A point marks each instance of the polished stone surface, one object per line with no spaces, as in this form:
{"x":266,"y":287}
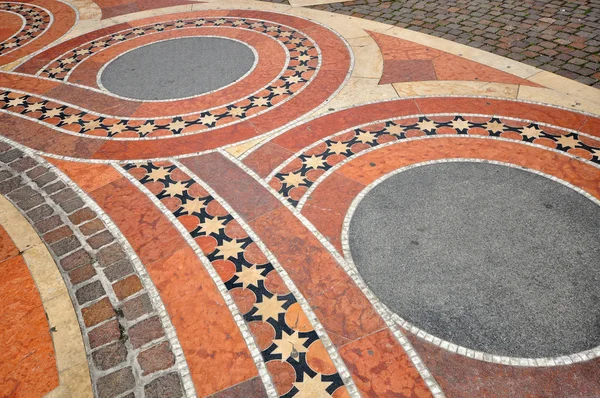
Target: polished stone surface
{"x":489,"y":257}
{"x":177,"y":68}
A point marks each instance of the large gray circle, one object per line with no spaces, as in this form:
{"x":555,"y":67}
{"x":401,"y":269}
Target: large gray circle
{"x":489,"y":257}
{"x":177,"y":68}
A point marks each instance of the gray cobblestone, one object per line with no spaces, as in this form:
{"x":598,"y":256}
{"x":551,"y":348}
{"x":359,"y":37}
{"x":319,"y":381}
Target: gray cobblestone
{"x":571,"y":29}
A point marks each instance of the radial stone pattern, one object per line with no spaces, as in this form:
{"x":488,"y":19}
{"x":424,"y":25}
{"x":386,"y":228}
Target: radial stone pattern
{"x":484,"y":256}
{"x":275,"y":202}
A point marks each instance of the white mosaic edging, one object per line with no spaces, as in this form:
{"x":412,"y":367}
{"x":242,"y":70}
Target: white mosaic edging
{"x":235,"y":313}
{"x":427,"y":115}
{"x":446,"y":345}
{"x":50,"y":23}
{"x":158,"y":306}
{"x":337,"y":166}
{"x":252,"y":68}
{"x":410,"y":351}
{"x":447,"y":96}
{"x":23,"y":22}
{"x":318,"y":327}
{"x":26,"y":58}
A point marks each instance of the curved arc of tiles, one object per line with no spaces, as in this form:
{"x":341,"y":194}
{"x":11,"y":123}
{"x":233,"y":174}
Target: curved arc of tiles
{"x":430,"y":131}
{"x":318,"y":327}
{"x":232,"y":307}
{"x":27,"y":56}
{"x":144,"y":278}
{"x":204,"y":118}
{"x":281,"y":132}
{"x":444,"y":344}
{"x":301,"y":364}
{"x":91,"y":43}
{"x":23,"y":23}
{"x":413,"y":355}
{"x":43,"y":270}
{"x":26,"y":21}
{"x":156,"y":301}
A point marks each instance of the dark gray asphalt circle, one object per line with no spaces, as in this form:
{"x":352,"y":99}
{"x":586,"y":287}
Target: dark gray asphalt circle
{"x":177,"y":68}
{"x":486,"y":256}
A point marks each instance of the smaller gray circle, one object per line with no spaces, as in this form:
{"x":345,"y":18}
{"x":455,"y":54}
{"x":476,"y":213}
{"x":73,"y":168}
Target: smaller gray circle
{"x":488,"y":257}
{"x":177,"y":68}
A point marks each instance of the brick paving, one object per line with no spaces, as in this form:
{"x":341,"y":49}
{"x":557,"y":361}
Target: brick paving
{"x":125,"y":338}
{"x":559,"y":36}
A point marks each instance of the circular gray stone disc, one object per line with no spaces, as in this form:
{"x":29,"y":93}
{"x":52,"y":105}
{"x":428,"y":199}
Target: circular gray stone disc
{"x":489,"y":257}
{"x":177,"y":68}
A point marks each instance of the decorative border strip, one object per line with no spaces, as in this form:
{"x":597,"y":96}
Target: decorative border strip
{"x":33,"y":16}
{"x":454,"y":348}
{"x":395,"y":130}
{"x":124,"y":325}
{"x":300,"y":299}
{"x":402,"y":340}
{"x":237,"y":316}
{"x":299,"y":122}
{"x":85,"y":121}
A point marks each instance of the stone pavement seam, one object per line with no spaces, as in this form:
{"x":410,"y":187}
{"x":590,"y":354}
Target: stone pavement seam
{"x":102,"y":296}
{"x":410,"y":351}
{"x":331,"y":349}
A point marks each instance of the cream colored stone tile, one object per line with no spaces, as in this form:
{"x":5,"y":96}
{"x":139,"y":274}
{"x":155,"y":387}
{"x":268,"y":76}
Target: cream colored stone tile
{"x":358,"y":91}
{"x":77,"y":380}
{"x":44,"y":271}
{"x":567,"y":86}
{"x":553,"y":97}
{"x":411,"y":89}
{"x":17,"y":227}
{"x":237,"y":150}
{"x":368,"y":61}
{"x":305,"y":3}
{"x":346,"y":26}
{"x":68,"y":343}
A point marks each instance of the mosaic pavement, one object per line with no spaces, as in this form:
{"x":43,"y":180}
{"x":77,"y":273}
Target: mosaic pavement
{"x":249,"y":199}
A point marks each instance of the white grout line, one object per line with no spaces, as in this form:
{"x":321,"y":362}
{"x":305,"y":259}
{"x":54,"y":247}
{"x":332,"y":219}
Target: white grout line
{"x":446,"y":345}
{"x":318,"y":327}
{"x":337,"y":166}
{"x":149,"y":287}
{"x":237,"y":316}
{"x":415,"y":97}
{"x":20,"y":30}
{"x":410,"y":351}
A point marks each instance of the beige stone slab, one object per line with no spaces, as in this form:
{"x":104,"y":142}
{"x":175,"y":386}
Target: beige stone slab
{"x":44,"y":272}
{"x":238,"y":150}
{"x":368,"y":61}
{"x":567,"y":86}
{"x":74,"y":382}
{"x":438,"y":87}
{"x":346,"y":26}
{"x":358,"y":91}
{"x":19,"y":230}
{"x":305,"y":3}
{"x":554,"y":97}
{"x":68,"y":343}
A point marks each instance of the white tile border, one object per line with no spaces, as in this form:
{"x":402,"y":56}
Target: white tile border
{"x":318,"y":327}
{"x":410,"y":351}
{"x":235,"y":313}
{"x":446,"y":345}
